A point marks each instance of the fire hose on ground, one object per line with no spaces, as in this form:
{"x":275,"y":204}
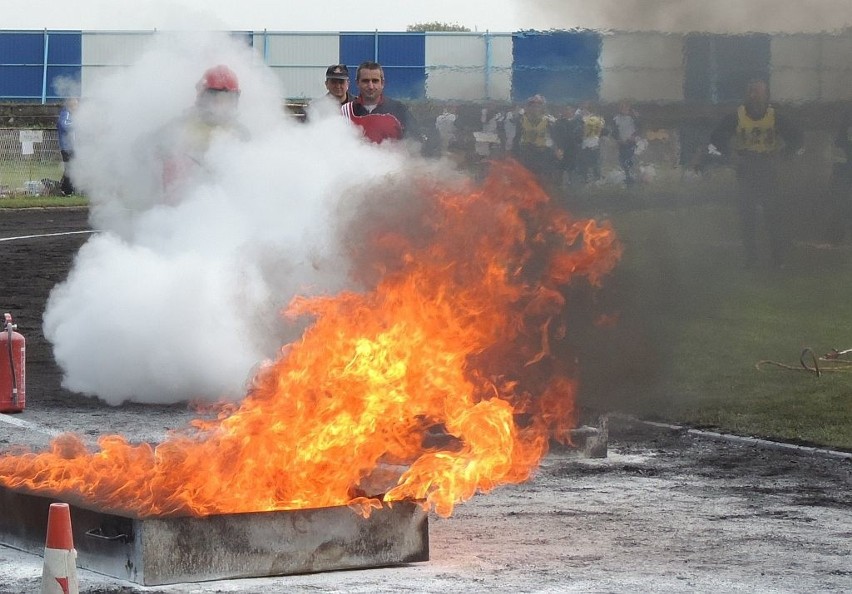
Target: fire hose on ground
{"x":833,"y":361}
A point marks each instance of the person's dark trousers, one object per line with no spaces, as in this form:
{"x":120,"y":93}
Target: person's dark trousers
{"x":65,"y":185}
{"x":626,"y":157}
{"x":839,"y":210}
{"x":759,"y":188}
{"x":590,"y":164}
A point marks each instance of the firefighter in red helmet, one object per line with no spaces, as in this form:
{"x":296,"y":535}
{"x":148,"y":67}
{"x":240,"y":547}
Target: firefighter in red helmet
{"x":218,"y":95}
{"x":185,"y":142}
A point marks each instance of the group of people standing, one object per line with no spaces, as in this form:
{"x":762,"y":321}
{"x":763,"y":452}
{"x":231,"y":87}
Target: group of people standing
{"x":561,"y":150}
{"x":569,"y":147}
{"x":181,"y":144}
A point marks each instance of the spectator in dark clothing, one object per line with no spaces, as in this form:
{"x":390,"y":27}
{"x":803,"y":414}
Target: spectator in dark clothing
{"x":840,"y":199}
{"x":568,"y":138}
{"x":756,"y":138}
{"x":65,"y":129}
{"x":626,"y":132}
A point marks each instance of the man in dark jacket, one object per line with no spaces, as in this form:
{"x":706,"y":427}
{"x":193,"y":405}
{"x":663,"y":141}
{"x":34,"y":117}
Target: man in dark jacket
{"x":381,"y":118}
{"x":757,"y":137}
{"x":840,"y":194}
{"x":567,"y":138}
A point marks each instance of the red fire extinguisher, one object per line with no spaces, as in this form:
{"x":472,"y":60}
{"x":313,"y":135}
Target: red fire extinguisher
{"x":13,"y":393}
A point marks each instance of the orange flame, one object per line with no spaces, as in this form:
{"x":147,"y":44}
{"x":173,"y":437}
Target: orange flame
{"x":443,"y":369}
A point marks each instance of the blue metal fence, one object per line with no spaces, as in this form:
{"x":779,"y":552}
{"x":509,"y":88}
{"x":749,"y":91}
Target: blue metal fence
{"x":562,"y":65}
{"x":32,"y":63}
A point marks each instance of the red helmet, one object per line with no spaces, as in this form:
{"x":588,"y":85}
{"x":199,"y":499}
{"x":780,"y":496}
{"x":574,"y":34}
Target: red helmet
{"x":219,"y":78}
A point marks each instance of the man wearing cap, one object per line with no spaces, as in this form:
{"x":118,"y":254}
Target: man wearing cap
{"x":337,"y":83}
{"x":381,"y":118}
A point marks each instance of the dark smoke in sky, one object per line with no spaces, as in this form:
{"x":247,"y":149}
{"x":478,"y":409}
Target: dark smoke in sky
{"x":679,"y":16}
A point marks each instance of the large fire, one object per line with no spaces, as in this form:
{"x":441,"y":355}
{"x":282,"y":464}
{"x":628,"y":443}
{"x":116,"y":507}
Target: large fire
{"x":442,"y":367}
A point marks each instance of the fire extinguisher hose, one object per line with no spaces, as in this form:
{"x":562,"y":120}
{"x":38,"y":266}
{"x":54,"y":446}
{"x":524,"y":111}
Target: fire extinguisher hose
{"x":12,"y":367}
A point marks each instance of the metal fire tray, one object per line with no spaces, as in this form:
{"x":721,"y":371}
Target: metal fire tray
{"x":168,"y":550}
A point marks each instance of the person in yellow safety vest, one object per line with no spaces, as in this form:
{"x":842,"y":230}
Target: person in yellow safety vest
{"x":533,"y":145}
{"x":756,"y":137}
{"x":594,"y":127}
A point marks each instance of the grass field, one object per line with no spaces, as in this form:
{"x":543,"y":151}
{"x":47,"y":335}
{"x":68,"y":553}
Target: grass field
{"x":696,"y":326}
{"x":22,"y":201}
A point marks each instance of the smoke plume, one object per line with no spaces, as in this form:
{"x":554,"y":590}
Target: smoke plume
{"x":681,"y":16}
{"x":178,"y":296}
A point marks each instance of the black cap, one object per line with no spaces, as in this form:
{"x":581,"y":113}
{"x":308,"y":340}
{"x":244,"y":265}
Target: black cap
{"x":339,"y":71}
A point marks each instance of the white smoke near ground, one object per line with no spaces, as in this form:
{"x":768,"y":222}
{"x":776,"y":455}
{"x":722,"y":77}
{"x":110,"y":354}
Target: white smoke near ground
{"x":66,"y":87}
{"x":179,"y":297}
{"x":683,"y":16}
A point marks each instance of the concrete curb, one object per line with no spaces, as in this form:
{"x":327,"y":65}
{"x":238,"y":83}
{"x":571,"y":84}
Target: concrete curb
{"x":766,"y":443}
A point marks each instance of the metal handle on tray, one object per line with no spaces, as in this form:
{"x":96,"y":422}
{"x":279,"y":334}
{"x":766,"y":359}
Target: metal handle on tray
{"x":98,"y":534}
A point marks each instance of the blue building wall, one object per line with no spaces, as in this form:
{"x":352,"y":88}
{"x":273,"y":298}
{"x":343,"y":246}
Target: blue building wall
{"x":25,"y":74}
{"x":402,"y":56}
{"x":562,"y":66}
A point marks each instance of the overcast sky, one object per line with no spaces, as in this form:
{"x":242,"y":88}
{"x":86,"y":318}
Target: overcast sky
{"x":394,"y":15}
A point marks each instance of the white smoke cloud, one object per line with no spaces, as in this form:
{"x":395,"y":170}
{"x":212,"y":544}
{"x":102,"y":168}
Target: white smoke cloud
{"x":179,"y":297}
{"x":66,"y":87}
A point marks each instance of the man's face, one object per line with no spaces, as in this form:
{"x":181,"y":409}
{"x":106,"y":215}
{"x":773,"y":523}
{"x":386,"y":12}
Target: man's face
{"x":371,"y":84}
{"x":218,"y":107}
{"x":758,"y":95}
{"x":337,"y":87}
{"x":535,"y":110}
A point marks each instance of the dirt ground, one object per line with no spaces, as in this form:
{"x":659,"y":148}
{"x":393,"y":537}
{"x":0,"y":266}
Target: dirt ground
{"x":668,"y":510}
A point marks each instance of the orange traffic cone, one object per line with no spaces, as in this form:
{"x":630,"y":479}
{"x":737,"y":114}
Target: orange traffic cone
{"x":59,"y":575}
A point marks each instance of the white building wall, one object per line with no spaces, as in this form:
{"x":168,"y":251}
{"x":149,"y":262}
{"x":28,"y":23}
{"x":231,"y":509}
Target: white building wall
{"x":299,"y":60}
{"x":642,"y":67}
{"x":795,"y":74}
{"x":102,"y":54}
{"x":456,"y":69}
{"x":836,"y":71}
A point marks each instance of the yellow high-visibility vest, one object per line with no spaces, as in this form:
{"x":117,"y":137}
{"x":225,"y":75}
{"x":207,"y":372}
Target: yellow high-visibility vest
{"x":534,"y":133}
{"x":593,"y":126}
{"x":757,"y":136}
